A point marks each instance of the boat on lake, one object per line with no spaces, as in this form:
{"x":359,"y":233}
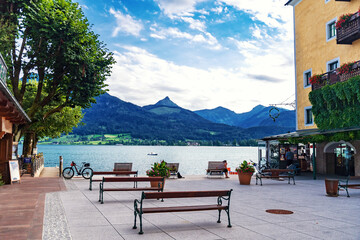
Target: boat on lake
{"x":152,"y":154}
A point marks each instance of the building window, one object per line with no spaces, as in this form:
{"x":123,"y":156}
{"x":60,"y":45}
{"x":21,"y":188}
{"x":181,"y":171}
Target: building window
{"x":326,"y":1}
{"x":307,"y":76}
{"x":331,"y":29}
{"x":308,"y":116}
{"x":332,"y":64}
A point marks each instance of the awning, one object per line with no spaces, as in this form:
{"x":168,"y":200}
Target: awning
{"x":308,"y":132}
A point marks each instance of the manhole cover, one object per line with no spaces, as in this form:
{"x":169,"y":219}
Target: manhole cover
{"x":279,"y":211}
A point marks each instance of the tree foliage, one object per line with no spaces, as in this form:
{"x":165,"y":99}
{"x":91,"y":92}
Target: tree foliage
{"x":51,"y":42}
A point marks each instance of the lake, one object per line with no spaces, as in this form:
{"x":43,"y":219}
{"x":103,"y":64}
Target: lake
{"x":193,"y":160}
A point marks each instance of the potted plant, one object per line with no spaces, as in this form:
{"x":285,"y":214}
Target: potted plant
{"x":245,"y":172}
{"x":158,"y":170}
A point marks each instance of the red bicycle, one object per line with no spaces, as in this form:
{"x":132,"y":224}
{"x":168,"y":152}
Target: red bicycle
{"x":85,"y":171}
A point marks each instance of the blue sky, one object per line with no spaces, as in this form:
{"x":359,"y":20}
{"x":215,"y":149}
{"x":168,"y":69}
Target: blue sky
{"x":202,"y":54}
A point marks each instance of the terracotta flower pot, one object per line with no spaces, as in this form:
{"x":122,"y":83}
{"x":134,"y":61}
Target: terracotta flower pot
{"x":156,"y":184}
{"x":245,"y":178}
{"x":331,"y":186}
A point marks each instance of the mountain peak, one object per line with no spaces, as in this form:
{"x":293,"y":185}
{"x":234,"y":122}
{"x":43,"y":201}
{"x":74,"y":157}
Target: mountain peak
{"x":166,"y":102}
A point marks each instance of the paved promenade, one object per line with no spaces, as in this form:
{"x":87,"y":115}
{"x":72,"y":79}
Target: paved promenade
{"x":22,"y":207}
{"x":77,"y":214}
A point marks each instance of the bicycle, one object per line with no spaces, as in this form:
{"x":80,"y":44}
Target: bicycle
{"x":85,"y":171}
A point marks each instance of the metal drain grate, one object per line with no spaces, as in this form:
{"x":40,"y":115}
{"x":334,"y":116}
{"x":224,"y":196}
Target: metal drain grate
{"x":279,"y":211}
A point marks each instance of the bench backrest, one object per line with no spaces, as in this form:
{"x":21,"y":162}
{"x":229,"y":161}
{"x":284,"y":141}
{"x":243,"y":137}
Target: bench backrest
{"x":122,"y":166}
{"x":187,"y":194}
{"x":133,"y":179}
{"x":216,"y":165}
{"x":173,"y":167}
{"x":115,"y":173}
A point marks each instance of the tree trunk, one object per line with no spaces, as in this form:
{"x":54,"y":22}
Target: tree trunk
{"x":28,"y":143}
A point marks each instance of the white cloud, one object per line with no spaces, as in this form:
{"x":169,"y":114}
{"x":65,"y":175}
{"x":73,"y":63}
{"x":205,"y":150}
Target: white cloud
{"x":173,"y":8}
{"x":140,"y":73}
{"x":205,"y":38}
{"x":271,"y":12}
{"x":195,"y":24}
{"x":126,"y":24}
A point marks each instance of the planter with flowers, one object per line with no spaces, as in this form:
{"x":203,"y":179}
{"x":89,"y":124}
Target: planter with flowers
{"x":318,"y":80}
{"x":347,"y":28}
{"x":158,"y":170}
{"x":245,"y":172}
{"x":348,"y":70}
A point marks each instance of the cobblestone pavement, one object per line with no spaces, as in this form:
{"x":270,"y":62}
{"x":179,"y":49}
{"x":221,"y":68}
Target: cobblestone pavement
{"x":315,"y":216}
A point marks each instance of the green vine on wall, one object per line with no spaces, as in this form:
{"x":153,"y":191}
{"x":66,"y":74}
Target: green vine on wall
{"x":337,"y":106}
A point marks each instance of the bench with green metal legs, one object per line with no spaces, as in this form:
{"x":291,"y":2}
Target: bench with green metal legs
{"x":220,"y":194}
{"x":344,"y":184}
{"x":159,"y":181}
{"x":123,"y":173}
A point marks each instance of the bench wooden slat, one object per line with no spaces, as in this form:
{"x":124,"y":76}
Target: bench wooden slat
{"x":184,"y":208}
{"x":132,"y":189}
{"x":132,"y":179}
{"x":188,"y":194}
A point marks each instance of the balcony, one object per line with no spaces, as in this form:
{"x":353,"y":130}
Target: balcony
{"x":333,"y":77}
{"x":350,"y":32}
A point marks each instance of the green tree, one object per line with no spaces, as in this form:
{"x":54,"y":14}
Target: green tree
{"x":50,"y":41}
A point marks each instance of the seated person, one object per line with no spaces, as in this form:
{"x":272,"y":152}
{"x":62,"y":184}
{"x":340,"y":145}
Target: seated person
{"x":225,"y":170}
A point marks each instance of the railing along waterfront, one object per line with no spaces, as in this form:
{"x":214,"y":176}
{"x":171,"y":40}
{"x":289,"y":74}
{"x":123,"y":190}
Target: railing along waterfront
{"x":37,"y":164}
{"x":333,"y":77}
{"x":350,"y":32}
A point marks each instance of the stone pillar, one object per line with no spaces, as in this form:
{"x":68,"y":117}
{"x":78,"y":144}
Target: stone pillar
{"x":320,"y":158}
{"x":356,"y":145}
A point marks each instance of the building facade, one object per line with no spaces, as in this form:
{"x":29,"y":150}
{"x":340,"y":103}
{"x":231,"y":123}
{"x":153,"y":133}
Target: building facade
{"x":10,"y":113}
{"x":321,"y":47}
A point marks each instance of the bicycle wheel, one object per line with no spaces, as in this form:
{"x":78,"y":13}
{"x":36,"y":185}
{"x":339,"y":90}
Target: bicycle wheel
{"x":87,"y":173}
{"x":68,"y":173}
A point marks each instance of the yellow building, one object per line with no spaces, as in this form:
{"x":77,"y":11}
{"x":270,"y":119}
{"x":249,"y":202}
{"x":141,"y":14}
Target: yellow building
{"x":316,"y":47}
{"x":324,"y":40}
{"x":322,"y":44}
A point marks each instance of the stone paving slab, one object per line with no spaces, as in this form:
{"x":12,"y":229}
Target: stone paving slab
{"x":315,"y":216}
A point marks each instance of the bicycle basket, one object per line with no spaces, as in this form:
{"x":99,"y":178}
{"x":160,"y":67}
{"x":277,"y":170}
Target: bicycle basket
{"x":87,"y":165}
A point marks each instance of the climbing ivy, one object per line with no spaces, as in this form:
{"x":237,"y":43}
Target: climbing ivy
{"x":337,"y":106}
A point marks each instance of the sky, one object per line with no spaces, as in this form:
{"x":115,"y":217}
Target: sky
{"x":200,"y":53}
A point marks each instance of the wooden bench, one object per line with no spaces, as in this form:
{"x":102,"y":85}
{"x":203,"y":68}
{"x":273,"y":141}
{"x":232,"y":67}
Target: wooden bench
{"x":117,"y":173}
{"x":216,"y":168}
{"x":220,"y":194}
{"x":159,"y":188}
{"x":174,"y":169}
{"x":276,"y":174}
{"x":344,"y":184}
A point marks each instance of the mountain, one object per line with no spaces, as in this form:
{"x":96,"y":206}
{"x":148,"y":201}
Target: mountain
{"x":163,"y":120}
{"x":219,"y":115}
{"x":257,"y":117}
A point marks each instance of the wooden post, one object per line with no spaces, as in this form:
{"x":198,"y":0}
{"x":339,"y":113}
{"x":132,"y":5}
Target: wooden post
{"x":60,"y":166}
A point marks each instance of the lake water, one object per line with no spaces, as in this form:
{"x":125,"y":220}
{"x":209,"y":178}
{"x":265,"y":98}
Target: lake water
{"x":193,"y":160}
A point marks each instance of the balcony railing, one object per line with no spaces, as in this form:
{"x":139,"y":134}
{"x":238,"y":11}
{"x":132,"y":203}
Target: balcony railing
{"x":333,"y":77}
{"x":342,"y":0}
{"x":350,"y":32}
